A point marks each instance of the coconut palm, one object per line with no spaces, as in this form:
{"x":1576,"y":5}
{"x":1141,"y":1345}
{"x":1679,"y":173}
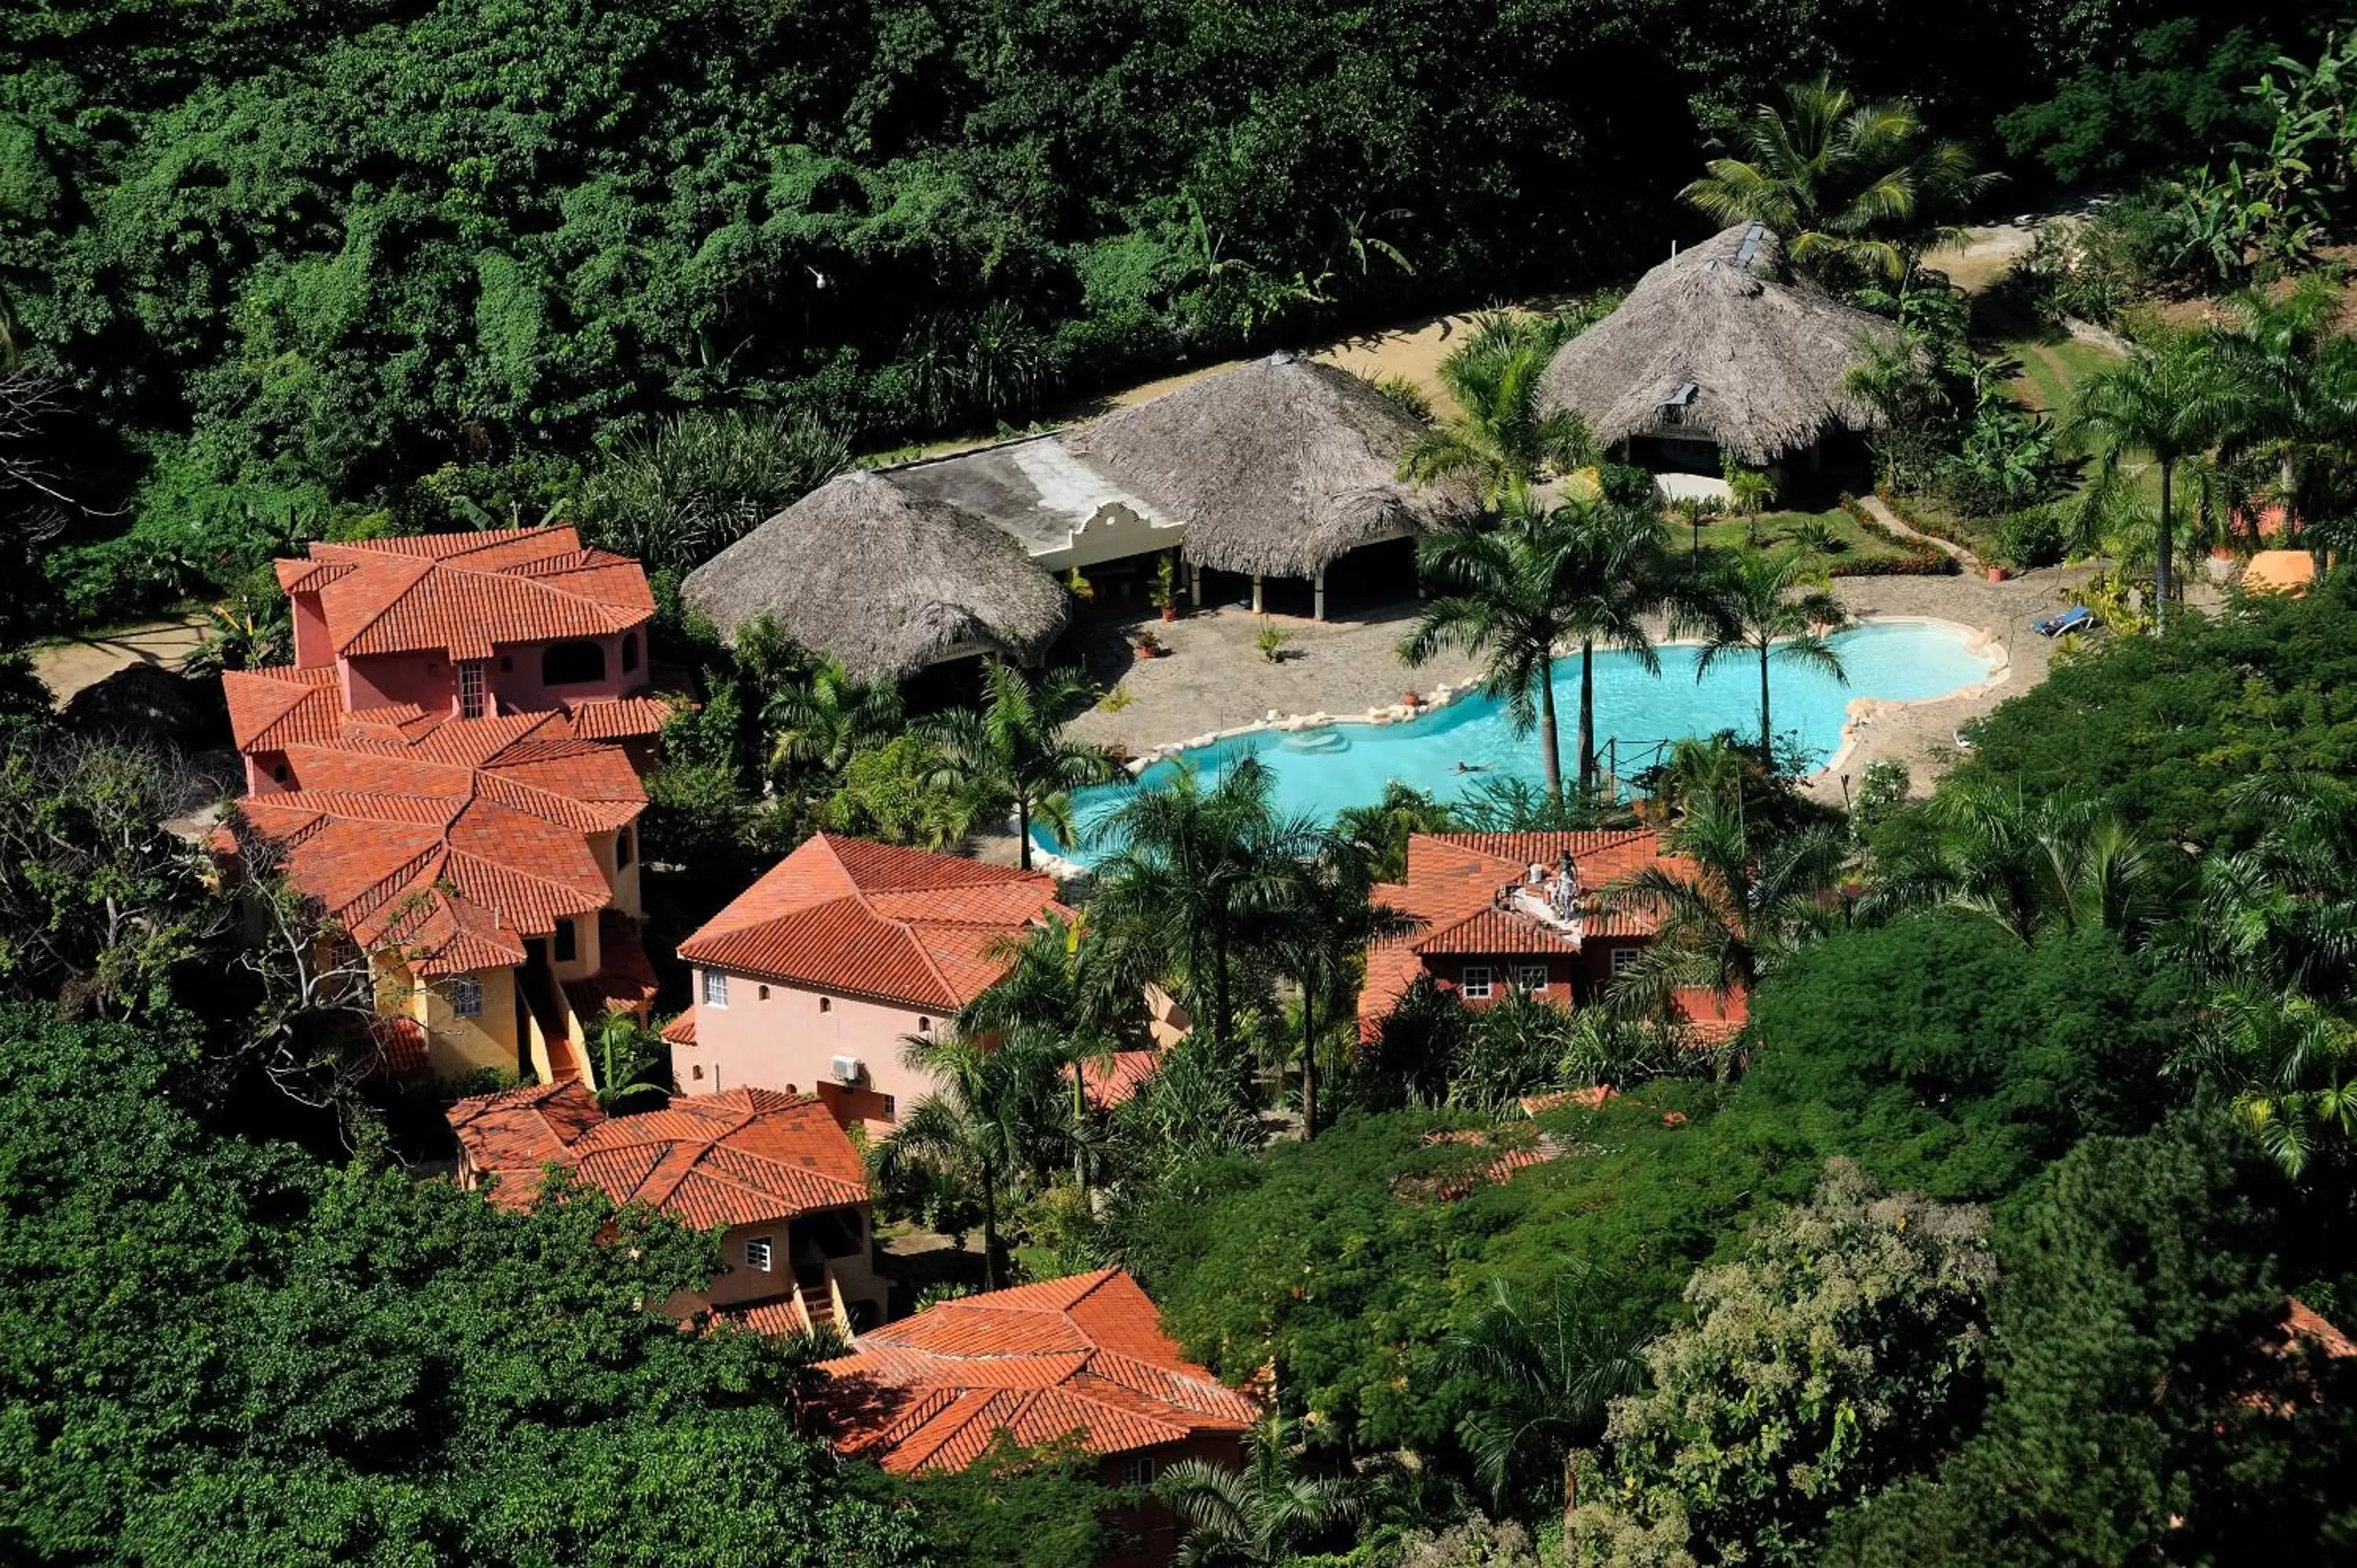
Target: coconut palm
{"x":2173,"y":400}
{"x":1510,"y":595}
{"x":2061,"y":863}
{"x":2285,"y":1066}
{"x":1013,"y":751}
{"x":1771,"y":606}
{"x":1199,"y":873}
{"x":1546,"y":1369}
{"x":1257,"y":1516}
{"x":1327,"y":919}
{"x":1843,"y":184}
{"x":997,"y":1108}
{"x":1501,"y":441}
{"x":1067,"y":992}
{"x":1751,"y":901}
{"x":819,"y":722}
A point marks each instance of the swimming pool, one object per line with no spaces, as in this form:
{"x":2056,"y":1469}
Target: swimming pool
{"x":1320,"y":771}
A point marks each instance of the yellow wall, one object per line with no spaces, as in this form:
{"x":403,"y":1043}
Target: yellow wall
{"x":624,"y":882}
{"x":455,"y":1045}
{"x":586,"y":960}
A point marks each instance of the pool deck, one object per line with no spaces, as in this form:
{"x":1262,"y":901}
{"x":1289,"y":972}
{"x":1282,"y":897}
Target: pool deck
{"x":1214,"y":679}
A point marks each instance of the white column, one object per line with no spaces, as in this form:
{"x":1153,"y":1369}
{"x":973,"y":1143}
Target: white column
{"x":1256,"y":593}
{"x":1194,"y":585}
{"x":1318,"y":595}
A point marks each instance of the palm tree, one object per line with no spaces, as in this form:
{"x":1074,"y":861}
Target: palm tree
{"x":821,"y":721}
{"x":1014,"y":749}
{"x":1692,"y":512}
{"x":1750,"y":902}
{"x":1200,"y":872}
{"x":1501,"y":441}
{"x":626,"y":1054}
{"x":1066,"y":992}
{"x":1328,"y":917}
{"x":2288,"y":1068}
{"x":1259,"y":1516}
{"x":1774,"y":607}
{"x":2173,"y":400}
{"x":1842,"y":183}
{"x":1380,"y":831}
{"x":1546,"y":1375}
{"x":1586,"y":570}
{"x":2061,"y":863}
{"x":988,"y":1119}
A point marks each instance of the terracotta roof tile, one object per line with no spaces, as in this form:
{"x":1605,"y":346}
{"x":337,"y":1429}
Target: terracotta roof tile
{"x":1081,"y":1357}
{"x":619,"y":718}
{"x":270,"y":709}
{"x":1115,"y":1079}
{"x":465,"y":593}
{"x":741,"y":1157}
{"x":841,"y":914}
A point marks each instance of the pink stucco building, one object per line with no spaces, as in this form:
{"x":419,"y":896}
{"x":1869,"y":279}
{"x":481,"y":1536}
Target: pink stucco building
{"x":813,"y":979}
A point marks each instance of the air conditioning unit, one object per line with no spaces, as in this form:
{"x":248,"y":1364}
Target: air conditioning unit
{"x":845,"y":1069}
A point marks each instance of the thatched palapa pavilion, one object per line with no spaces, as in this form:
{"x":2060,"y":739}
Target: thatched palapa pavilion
{"x":882,"y":580}
{"x":1279,"y":468}
{"x":1712,"y":351}
{"x":1274,"y":469}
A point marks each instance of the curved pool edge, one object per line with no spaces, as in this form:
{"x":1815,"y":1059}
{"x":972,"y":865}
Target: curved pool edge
{"x":1983,"y":642}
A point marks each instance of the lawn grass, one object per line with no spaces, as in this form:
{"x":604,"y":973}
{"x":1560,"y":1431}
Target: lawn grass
{"x":1777,"y":530}
{"x":2052,"y":371}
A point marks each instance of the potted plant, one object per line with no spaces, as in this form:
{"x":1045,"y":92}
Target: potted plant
{"x":1271,"y":643}
{"x":1148,"y":645}
{"x":1998,"y":572}
{"x":1166,"y":587}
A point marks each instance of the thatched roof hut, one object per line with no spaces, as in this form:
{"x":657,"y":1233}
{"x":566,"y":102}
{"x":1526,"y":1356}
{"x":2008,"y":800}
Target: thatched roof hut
{"x":882,"y":580}
{"x":1711,"y":346}
{"x":1276,"y":468}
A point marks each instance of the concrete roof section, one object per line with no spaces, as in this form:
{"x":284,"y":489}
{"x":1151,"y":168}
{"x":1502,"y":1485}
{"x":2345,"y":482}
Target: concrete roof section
{"x":1062,"y":510}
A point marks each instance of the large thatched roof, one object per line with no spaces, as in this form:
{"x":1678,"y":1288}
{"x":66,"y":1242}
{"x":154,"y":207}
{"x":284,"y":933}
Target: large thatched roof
{"x":1765,"y":358}
{"x":882,"y":580}
{"x":1276,"y":468}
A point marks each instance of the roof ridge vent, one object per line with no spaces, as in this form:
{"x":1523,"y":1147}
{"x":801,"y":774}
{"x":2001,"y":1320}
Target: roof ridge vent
{"x":1749,"y":249}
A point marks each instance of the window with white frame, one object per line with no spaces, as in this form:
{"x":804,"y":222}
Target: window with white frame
{"x":470,"y":689}
{"x":757,"y":1254}
{"x":1623,"y":959}
{"x":1531,"y":977}
{"x":1137,"y":1470}
{"x":715,"y":989}
{"x":466,"y":996}
{"x":1476,"y":983}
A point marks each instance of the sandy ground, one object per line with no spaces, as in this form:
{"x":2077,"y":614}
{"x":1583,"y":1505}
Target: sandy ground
{"x":67,"y":667}
{"x":1989,"y":251}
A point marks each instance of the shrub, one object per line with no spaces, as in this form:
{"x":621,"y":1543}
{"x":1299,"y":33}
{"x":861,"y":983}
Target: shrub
{"x":2032,"y":538}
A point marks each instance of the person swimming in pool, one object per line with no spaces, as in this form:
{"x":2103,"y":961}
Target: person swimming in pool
{"x":1467,"y":768}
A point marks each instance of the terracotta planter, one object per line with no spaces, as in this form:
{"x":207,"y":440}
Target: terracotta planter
{"x":1998,"y":573}
{"x":1169,"y":612}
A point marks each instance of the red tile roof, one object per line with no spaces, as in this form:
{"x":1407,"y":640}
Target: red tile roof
{"x":462,"y":592}
{"x":624,"y":981}
{"x":1459,"y":889}
{"x":618,"y":718}
{"x":745,"y":1156}
{"x":1084,"y":1356}
{"x":844,"y":915}
{"x":458,"y":845}
{"x":1117,"y":1077}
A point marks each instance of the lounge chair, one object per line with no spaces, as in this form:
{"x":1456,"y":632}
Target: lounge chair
{"x":2078,"y":618}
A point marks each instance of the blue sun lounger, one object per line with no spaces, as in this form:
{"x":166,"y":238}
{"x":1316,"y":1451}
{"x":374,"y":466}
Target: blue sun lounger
{"x":2078,"y":618}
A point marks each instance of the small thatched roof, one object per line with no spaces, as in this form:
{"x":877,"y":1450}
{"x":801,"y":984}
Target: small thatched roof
{"x":1276,"y":468}
{"x":882,"y":580}
{"x":1764,"y":359}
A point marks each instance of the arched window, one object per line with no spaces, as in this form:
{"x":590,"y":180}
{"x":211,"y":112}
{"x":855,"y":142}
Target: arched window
{"x":572,"y":663}
{"x":630,"y":651}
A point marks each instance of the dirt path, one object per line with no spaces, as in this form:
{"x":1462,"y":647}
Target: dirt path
{"x":67,"y":667}
{"x":1891,"y":520}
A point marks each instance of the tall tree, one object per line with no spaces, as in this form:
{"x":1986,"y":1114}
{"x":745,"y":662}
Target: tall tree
{"x":1771,"y":606}
{"x":2172,"y":400}
{"x":1843,"y":184}
{"x":1620,"y":576}
{"x":817,"y":721}
{"x":1500,"y":441}
{"x":1199,"y":872}
{"x":1326,"y":918}
{"x":1259,"y":1516}
{"x":987,"y":1121}
{"x":1512,"y":593}
{"x":1013,"y":750}
{"x":1069,"y":992}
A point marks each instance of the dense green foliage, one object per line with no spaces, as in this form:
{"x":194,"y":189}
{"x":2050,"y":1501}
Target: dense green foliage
{"x":2161,"y":730}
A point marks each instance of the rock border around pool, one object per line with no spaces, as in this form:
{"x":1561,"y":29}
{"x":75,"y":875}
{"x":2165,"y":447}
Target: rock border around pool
{"x":1983,"y":641}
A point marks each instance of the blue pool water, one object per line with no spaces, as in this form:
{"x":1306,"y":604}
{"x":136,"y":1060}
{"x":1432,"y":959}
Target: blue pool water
{"x":1319,"y":772}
